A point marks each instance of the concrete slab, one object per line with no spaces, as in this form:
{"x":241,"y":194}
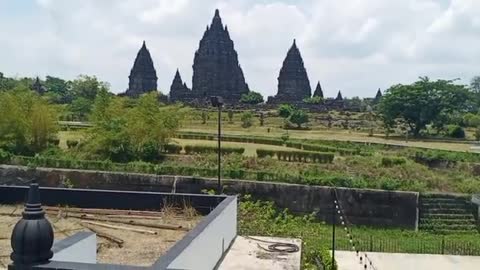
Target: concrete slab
{"x":247,"y":253}
{"x":347,"y":260}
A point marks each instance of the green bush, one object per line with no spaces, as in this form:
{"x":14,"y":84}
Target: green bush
{"x":72,"y":143}
{"x":325,"y":148}
{"x":393,"y":161}
{"x":54,"y":141}
{"x":202,"y":149}
{"x":297,"y":156}
{"x":172,"y":148}
{"x":455,"y":131}
{"x":4,"y":156}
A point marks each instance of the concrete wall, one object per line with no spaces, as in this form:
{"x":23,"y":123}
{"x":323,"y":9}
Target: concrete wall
{"x":80,"y":248}
{"x":206,"y":244}
{"x":363,"y":207}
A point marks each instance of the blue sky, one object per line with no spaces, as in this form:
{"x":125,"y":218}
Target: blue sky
{"x":355,"y":46}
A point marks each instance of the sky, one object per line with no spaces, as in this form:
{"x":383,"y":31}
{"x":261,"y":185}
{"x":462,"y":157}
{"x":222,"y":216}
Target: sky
{"x":355,"y":46}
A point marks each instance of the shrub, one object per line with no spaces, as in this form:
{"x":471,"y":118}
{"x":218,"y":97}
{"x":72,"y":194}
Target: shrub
{"x":202,"y":149}
{"x":247,"y":119}
{"x":455,"y":131}
{"x":299,"y":156}
{"x":172,"y":148}
{"x":393,"y":161}
{"x":72,"y":143}
{"x":54,"y":141}
{"x":4,"y":156}
{"x":294,"y":145}
{"x":251,"y":97}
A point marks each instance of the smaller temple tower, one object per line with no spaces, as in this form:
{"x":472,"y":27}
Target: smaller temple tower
{"x":378,"y":96}
{"x":143,"y":77}
{"x":339,"y":96}
{"x":318,"y":91}
{"x":38,"y":87}
{"x":179,"y":90}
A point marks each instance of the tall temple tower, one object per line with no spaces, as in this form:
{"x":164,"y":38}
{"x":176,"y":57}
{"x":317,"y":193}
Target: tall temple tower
{"x":293,"y":83}
{"x":143,"y":77}
{"x":216,"y":71}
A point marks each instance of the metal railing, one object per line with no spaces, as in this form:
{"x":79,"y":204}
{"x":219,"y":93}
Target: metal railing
{"x":439,"y":245}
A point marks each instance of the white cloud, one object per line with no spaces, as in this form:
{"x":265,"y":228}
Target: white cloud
{"x":352,"y":45}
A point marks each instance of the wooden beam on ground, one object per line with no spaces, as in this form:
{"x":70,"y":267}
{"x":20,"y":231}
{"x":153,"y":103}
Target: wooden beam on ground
{"x":118,"y":227}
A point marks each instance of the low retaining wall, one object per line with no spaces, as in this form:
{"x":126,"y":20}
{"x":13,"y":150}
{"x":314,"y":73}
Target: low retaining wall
{"x":362,"y":206}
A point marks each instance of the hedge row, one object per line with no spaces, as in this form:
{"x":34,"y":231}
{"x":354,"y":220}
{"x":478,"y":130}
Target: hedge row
{"x":324,"y":148}
{"x":393,"y":161}
{"x":270,"y":141}
{"x":230,"y":138}
{"x":299,"y":156}
{"x":201,"y":149}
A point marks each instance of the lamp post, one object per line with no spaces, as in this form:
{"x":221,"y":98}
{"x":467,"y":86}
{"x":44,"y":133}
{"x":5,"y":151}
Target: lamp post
{"x":217,"y":101}
{"x":334,"y":219}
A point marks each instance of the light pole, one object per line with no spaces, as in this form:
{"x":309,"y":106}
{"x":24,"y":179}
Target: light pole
{"x":217,"y":101}
{"x":334,"y":219}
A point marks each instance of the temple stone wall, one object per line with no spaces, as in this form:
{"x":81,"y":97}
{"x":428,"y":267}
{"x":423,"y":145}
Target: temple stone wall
{"x":362,"y":206}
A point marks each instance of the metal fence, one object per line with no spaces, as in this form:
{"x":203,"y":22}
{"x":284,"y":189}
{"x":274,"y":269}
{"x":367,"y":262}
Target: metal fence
{"x":437,"y":245}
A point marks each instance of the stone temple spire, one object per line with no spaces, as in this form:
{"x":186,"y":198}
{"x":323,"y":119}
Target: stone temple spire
{"x":318,"y":91}
{"x":339,"y":96}
{"x":378,"y":96}
{"x":216,"y":71}
{"x":293,"y":83}
{"x":38,"y":87}
{"x":179,"y":90}
{"x":143,"y":77}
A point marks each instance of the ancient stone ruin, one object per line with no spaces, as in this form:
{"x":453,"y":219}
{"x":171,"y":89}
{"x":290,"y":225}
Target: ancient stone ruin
{"x":216,"y":71}
{"x":38,"y":87}
{"x":179,"y":90}
{"x":378,"y":96}
{"x":143,"y":77}
{"x":293,"y":83}
{"x":339,"y":96}
{"x":318,"y":91}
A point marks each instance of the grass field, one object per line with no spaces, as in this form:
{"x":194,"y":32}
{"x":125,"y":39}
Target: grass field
{"x":333,"y":134}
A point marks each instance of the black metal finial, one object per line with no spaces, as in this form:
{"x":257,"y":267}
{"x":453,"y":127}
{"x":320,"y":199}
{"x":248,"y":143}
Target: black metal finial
{"x":32,"y":236}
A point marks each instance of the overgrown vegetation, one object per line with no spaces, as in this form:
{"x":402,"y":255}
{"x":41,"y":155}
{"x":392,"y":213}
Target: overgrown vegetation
{"x":263,"y":218}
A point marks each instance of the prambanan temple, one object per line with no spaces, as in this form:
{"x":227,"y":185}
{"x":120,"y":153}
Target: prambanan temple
{"x":217,"y":72}
{"x":143,"y":77}
{"x":293,"y":83}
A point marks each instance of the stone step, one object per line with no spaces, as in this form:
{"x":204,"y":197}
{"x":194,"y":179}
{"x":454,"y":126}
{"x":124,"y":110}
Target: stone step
{"x":470,"y":221}
{"x":445,"y":216}
{"x":445,"y":211}
{"x":444,"y":196}
{"x":444,"y":205}
{"x":444,"y":200}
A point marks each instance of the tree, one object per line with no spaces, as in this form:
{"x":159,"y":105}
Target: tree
{"x":313,"y":100}
{"x":421,"y":103}
{"x":285,"y":110}
{"x":299,"y":117}
{"x":87,"y":87}
{"x":27,"y":121}
{"x":247,"y":119}
{"x":121,"y":133}
{"x":475,"y":84}
{"x":251,"y":97}
{"x":58,"y":90}
{"x":230,"y":116}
